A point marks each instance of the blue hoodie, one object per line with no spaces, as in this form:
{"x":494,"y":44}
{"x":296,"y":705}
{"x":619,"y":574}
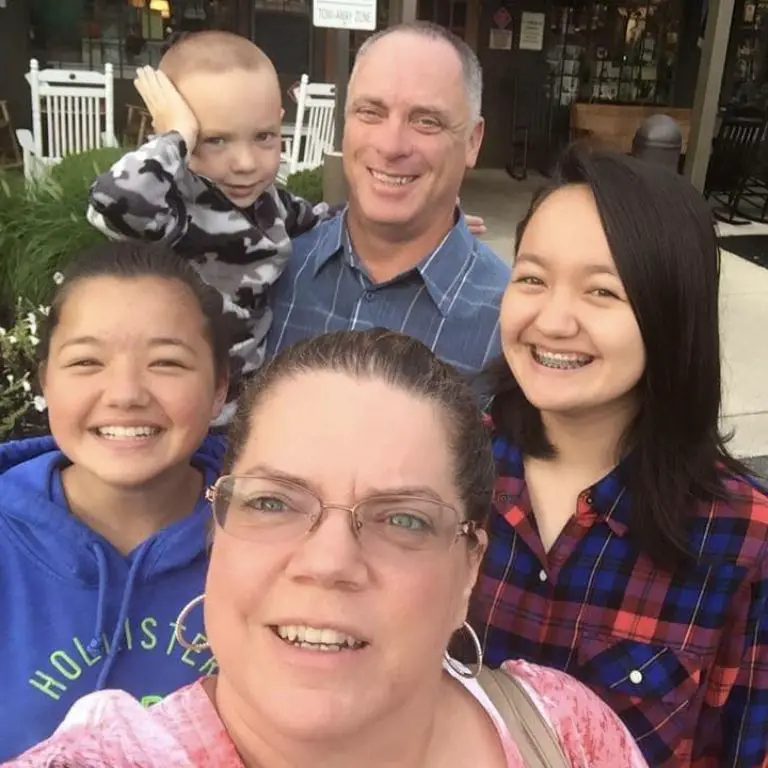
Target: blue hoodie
{"x":75,"y":614}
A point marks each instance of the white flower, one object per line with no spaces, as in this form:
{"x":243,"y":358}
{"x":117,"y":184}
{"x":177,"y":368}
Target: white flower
{"x":43,"y":310}
{"x":32,"y":322}
{"x":39,"y":403}
{"x":2,"y":331}
{"x":12,"y":339}
{"x":58,"y":278}
{"x":9,"y":378}
{"x":34,"y":340}
{"x":26,"y":386}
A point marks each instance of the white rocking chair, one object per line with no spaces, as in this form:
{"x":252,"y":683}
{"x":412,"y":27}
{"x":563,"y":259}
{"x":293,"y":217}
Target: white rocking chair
{"x":79,"y":114}
{"x":313,"y":133}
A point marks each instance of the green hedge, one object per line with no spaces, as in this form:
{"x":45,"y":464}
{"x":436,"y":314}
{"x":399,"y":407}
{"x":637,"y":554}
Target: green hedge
{"x":43,"y":225}
{"x":307,"y":184}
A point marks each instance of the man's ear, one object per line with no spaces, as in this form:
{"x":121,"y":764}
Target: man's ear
{"x":474,"y":142}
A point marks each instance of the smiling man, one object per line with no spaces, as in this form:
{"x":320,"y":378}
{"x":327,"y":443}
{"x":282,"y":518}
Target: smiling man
{"x":402,"y":257}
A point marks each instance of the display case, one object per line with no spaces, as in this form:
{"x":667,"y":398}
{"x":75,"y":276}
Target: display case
{"x":622,"y":51}
{"x":747,"y":69}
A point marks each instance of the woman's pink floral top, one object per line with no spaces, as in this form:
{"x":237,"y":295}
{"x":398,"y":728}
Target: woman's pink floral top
{"x":110,"y":728}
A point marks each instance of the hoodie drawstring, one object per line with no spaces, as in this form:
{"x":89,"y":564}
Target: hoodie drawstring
{"x":98,"y":630}
{"x":115,"y":645}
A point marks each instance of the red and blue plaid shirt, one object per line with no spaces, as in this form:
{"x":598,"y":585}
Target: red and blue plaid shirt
{"x":682,"y":657}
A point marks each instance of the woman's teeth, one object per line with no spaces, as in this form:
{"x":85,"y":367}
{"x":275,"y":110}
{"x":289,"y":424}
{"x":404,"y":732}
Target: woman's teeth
{"x":395,"y":181}
{"x":125,"y":433}
{"x":317,"y":639}
{"x":560,"y":360}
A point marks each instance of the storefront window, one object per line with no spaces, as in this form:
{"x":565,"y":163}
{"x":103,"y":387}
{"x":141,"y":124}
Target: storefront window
{"x":620,"y":51}
{"x":87,"y":34}
{"x":282,"y":29}
{"x":747,"y":70}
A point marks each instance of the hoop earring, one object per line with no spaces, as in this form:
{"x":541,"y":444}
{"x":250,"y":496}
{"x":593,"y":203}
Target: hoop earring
{"x":459,"y":668}
{"x":181,"y":618}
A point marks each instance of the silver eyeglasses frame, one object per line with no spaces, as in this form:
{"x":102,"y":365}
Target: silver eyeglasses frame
{"x":464,"y":528}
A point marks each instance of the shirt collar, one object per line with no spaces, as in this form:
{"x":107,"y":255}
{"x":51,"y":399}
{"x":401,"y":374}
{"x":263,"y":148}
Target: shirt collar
{"x":607,"y":497}
{"x":443,"y":271}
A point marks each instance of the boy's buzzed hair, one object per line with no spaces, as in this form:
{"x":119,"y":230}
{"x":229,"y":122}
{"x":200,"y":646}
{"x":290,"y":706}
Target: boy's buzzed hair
{"x":212,"y":51}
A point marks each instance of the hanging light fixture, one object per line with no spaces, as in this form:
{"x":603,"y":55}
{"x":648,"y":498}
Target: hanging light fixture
{"x":163,"y":6}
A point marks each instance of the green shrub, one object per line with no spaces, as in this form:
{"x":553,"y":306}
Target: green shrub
{"x":307,"y":184}
{"x":22,"y":407}
{"x":43,"y":225}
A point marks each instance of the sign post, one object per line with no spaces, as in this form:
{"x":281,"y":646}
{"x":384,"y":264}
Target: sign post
{"x":342,"y":80}
{"x":343,"y":15}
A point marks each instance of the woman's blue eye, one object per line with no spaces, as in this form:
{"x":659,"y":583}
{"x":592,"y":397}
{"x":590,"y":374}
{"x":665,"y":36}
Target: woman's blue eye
{"x":405,"y":520}
{"x":266,"y":504}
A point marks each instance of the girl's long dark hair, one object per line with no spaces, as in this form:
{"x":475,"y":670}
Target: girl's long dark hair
{"x":661,"y":234}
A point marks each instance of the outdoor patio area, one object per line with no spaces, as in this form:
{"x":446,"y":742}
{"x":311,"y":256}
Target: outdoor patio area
{"x":503,"y":201}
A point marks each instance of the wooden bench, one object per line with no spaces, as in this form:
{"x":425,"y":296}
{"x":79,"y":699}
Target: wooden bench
{"x":613,"y":126}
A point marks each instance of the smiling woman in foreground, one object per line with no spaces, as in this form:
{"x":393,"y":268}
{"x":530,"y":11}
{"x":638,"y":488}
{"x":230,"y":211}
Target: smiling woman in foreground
{"x":348,"y":537}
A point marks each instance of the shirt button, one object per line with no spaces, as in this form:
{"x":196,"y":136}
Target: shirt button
{"x":542,"y":575}
{"x":635,"y":677}
{"x":590,"y":501}
{"x":369,"y":295}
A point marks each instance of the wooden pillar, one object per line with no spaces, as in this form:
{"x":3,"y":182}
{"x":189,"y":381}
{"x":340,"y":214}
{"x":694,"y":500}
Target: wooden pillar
{"x":329,"y":67}
{"x":395,"y":13}
{"x":472,"y":30}
{"x":707,"y":96}
{"x":410,"y":10}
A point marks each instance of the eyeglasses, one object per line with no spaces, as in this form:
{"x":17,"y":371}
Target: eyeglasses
{"x":268,"y":510}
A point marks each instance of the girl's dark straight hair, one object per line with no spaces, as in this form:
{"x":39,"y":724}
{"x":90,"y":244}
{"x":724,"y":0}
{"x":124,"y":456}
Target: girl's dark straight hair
{"x":131,"y":260}
{"x":662,"y":237}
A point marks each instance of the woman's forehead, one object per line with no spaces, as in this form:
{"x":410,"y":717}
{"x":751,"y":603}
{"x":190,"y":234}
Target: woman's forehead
{"x":350,"y":433}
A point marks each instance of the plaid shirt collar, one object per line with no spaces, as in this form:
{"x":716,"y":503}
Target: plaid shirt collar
{"x":607,"y":499}
{"x":441,"y":270}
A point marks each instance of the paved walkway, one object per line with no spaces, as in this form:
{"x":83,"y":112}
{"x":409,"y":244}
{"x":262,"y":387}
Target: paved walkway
{"x":744,"y":306}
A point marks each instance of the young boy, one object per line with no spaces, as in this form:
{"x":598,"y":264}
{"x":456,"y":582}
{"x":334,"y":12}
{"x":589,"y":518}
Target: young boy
{"x":205,"y":182}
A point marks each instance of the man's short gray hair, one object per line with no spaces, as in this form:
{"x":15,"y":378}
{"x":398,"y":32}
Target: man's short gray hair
{"x":470,"y":65}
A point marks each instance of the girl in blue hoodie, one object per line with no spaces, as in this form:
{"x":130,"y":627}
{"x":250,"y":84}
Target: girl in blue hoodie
{"x":103,"y":525}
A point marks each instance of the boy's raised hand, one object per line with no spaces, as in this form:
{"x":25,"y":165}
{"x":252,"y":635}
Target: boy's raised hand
{"x":169,"y":110}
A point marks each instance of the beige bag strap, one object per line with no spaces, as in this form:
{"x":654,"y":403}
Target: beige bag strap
{"x":532,"y":734}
